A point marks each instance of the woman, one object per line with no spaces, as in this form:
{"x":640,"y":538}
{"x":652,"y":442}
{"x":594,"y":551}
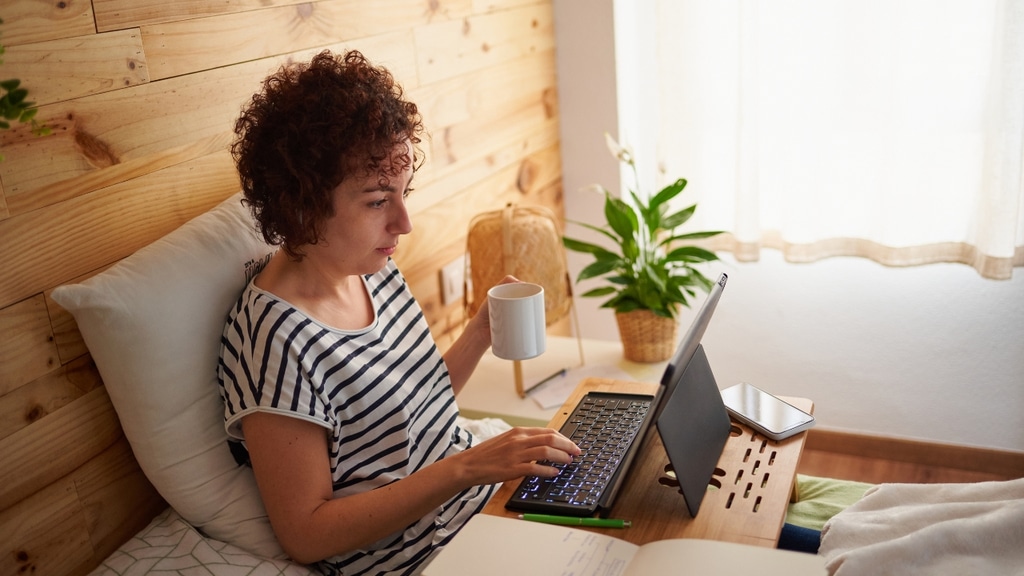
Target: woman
{"x":328,"y":370}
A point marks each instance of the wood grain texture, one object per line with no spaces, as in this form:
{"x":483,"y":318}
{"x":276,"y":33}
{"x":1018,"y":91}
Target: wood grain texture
{"x":114,"y":136}
{"x":103,"y":130}
{"x":43,"y":396}
{"x":27,"y":349}
{"x":443,"y":182}
{"x":185,"y":46}
{"x":27,"y":21}
{"x":456,"y":47}
{"x":113,"y":14}
{"x":71,"y":525}
{"x":116,"y":498}
{"x":67,"y":68}
{"x":107,"y":225}
{"x":92,"y":180}
{"x":43,"y":453}
{"x":485,"y":6}
{"x":47,"y":533}
{"x":503,"y":87}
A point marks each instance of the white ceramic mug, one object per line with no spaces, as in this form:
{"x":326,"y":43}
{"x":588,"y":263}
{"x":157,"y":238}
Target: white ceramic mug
{"x":516,"y":313}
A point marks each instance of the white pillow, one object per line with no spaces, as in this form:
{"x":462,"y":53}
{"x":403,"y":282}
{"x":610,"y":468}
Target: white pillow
{"x":153,"y":324}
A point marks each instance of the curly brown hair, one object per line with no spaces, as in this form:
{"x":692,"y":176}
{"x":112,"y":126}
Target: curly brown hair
{"x":311,"y":127}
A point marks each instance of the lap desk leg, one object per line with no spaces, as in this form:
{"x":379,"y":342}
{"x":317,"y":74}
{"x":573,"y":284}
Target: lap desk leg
{"x":746,"y":501}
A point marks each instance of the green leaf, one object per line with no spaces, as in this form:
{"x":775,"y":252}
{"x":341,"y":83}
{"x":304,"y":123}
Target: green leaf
{"x":668,"y":192}
{"x":691,"y":254}
{"x":18,"y":96}
{"x":596,"y":269}
{"x":587,"y":247}
{"x":679,"y":218}
{"x":651,"y":217}
{"x":621,"y":218}
{"x":602,"y":231}
{"x":10,"y":84}
{"x":692,"y":236}
{"x":603,"y":291}
{"x":623,"y":305}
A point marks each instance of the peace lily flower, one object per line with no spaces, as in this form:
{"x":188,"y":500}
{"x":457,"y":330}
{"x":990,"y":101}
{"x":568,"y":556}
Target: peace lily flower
{"x":623,"y":153}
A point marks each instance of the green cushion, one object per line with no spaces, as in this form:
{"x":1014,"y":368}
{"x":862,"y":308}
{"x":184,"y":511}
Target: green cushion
{"x":819,"y":499}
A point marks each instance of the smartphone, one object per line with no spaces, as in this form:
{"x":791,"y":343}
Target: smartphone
{"x":765,"y":413}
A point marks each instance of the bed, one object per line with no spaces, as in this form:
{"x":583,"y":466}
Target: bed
{"x":152,"y":324}
{"x":170,"y":545}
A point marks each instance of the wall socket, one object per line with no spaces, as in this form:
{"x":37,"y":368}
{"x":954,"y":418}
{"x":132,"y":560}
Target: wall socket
{"x":453,"y":277}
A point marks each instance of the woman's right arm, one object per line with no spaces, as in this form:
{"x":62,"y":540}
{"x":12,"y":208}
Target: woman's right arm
{"x":290,"y":462}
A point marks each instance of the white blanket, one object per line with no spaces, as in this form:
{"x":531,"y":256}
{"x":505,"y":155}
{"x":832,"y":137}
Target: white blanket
{"x":929,"y":529}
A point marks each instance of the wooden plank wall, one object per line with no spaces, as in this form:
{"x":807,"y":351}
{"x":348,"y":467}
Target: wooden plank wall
{"x":141,"y":96}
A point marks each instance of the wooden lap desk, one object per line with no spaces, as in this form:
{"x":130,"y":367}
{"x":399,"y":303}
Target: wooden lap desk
{"x":746,"y":503}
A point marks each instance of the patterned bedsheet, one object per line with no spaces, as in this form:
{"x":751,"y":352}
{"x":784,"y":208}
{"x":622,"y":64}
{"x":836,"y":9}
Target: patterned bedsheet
{"x":170,"y":546}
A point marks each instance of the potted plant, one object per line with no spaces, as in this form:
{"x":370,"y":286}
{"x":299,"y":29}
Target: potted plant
{"x":649,"y":275}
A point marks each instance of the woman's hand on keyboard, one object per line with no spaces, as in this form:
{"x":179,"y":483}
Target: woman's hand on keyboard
{"x":516,"y":453}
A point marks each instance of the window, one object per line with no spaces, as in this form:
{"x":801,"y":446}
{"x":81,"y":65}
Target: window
{"x":891,"y":130}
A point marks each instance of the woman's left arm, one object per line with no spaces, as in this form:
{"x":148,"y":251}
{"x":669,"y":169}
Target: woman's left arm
{"x":466,"y":351}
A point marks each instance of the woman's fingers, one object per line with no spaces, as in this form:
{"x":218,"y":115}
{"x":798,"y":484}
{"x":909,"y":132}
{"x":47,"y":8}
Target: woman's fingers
{"x":536,"y":444}
{"x":516,"y":452}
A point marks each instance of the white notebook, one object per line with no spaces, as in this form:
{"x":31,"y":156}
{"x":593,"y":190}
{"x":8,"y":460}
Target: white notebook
{"x":500,"y":546}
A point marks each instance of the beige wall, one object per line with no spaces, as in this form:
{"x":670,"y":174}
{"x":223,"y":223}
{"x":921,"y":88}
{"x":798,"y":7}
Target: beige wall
{"x":141,"y":96}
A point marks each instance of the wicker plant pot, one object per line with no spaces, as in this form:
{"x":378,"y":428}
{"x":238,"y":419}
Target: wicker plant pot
{"x":646,"y":337}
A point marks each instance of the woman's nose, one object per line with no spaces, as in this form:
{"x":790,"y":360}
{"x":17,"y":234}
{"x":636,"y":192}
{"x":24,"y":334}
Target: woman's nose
{"x":401,"y":223}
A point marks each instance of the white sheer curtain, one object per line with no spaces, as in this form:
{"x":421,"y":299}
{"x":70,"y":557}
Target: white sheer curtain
{"x":887,"y":129}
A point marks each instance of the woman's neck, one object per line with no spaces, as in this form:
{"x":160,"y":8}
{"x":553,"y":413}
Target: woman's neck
{"x":334,"y":299}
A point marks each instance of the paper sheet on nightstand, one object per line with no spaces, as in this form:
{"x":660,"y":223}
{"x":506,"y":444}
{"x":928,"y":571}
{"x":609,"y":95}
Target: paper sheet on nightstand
{"x":553,"y":393}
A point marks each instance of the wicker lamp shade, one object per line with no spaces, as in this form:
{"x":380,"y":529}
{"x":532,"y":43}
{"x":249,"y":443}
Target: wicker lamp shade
{"x":521,"y":241}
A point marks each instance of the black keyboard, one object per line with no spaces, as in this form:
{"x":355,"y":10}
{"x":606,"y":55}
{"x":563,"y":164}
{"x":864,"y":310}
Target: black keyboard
{"x":607,"y":428}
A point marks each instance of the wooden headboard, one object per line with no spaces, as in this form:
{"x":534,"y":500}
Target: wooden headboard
{"x":140,"y":96}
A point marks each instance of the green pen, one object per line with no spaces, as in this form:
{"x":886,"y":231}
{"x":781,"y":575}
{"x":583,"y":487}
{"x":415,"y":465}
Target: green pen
{"x":574,"y":521}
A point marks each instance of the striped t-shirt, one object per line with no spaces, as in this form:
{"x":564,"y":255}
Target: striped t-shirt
{"x":383,"y":393}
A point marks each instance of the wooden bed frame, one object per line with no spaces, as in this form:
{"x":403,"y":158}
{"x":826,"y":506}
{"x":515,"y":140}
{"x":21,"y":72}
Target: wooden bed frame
{"x":71,"y":490}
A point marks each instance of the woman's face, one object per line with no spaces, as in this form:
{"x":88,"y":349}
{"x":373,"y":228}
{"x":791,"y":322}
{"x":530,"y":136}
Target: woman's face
{"x":369,"y":216}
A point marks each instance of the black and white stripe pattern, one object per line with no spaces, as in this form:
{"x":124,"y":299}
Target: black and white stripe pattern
{"x":383,"y":393}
